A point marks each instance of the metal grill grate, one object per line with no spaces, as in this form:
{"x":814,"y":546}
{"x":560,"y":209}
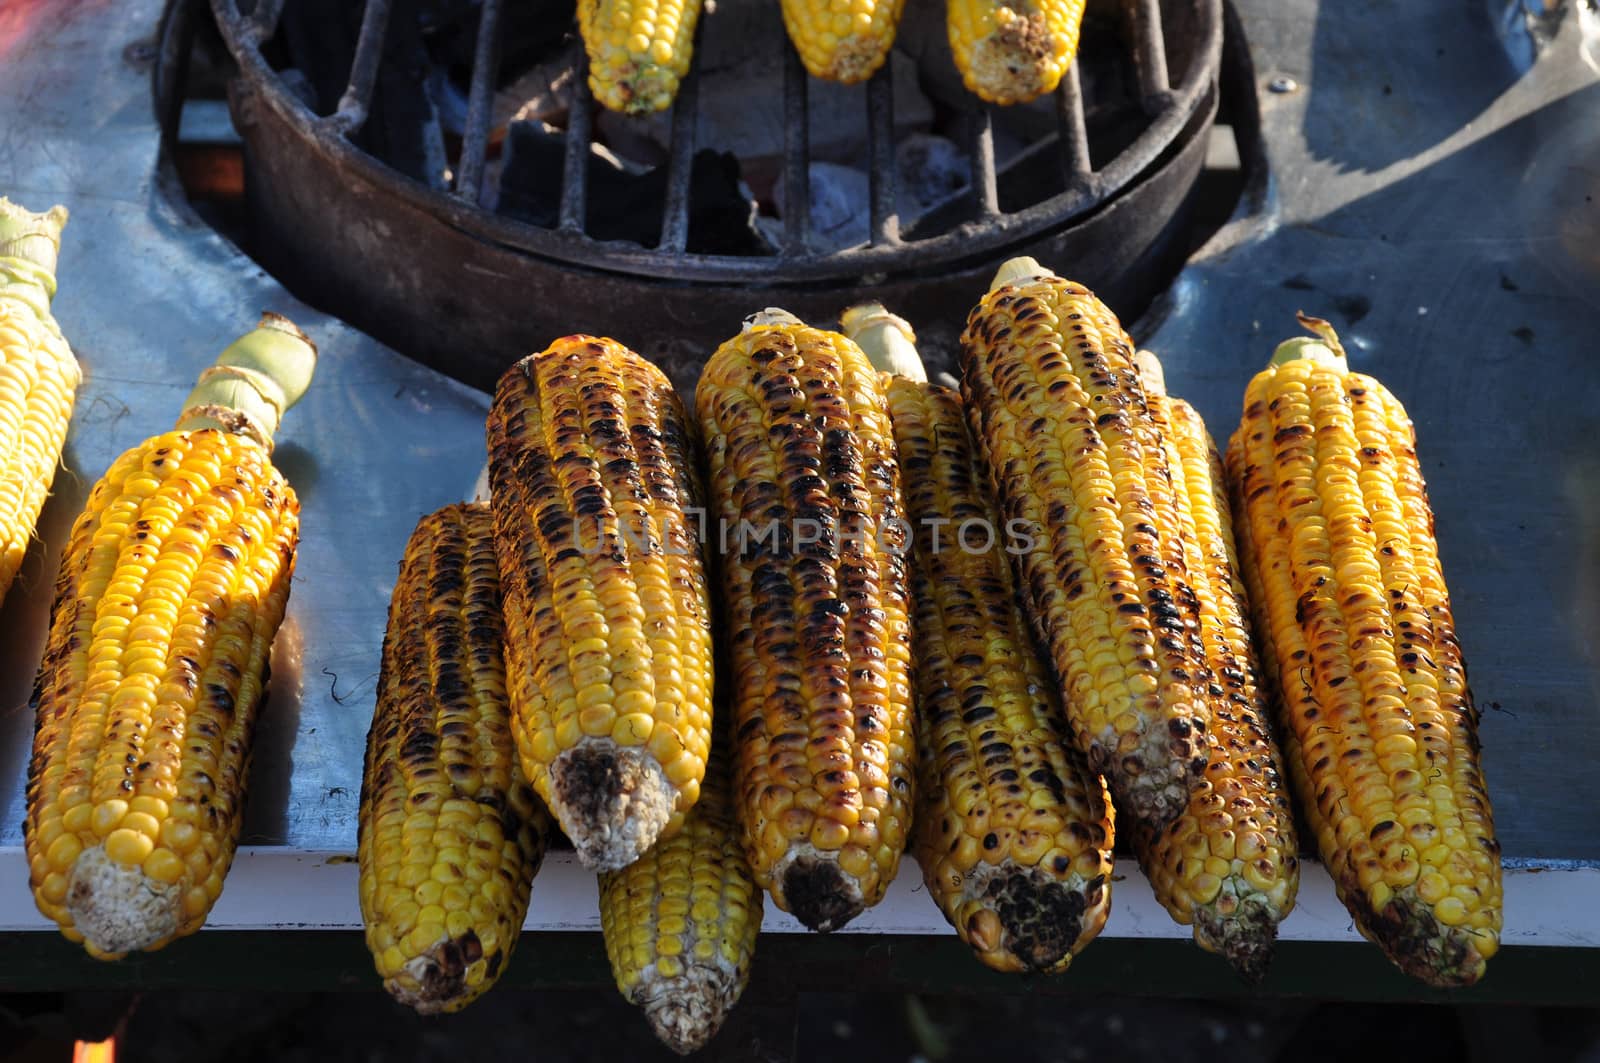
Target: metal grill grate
{"x":988,"y":230}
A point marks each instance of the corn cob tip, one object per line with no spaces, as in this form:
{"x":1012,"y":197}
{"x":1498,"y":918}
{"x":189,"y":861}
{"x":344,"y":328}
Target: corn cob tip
{"x":117,"y":908}
{"x":1323,"y":347}
{"x":687,"y":1011}
{"x":1022,"y":919}
{"x":30,"y":235}
{"x":817,"y":891}
{"x":888,"y":340}
{"x":643,"y":90}
{"x":1016,"y":63}
{"x":612,"y":802}
{"x":1241,"y":926}
{"x":1017,"y":270}
{"x":771,"y":317}
{"x":1414,"y":939}
{"x":1151,"y":375}
{"x":435,"y":982}
{"x":253,"y":382}
{"x":1152,"y":771}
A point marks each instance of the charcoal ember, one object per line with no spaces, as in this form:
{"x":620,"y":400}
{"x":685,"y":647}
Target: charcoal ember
{"x":931,"y":169}
{"x":402,"y":126}
{"x":741,"y":106}
{"x":722,"y":210}
{"x":625,"y":201}
{"x":540,"y":93}
{"x":840,"y":201}
{"x":644,"y":138}
{"x":1024,"y":176}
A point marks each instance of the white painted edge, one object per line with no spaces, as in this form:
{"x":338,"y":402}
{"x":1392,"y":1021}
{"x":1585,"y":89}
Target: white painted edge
{"x":277,"y":888}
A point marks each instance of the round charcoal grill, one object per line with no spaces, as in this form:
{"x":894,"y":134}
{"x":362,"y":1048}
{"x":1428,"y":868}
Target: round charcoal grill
{"x":429,"y":269}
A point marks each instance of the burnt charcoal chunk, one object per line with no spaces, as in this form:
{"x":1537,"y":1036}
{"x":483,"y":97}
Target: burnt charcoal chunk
{"x":628,"y":206}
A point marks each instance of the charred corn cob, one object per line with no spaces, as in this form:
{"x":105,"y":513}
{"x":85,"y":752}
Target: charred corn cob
{"x":807,"y":492}
{"x":680,"y":923}
{"x":171,"y":588}
{"x":38,"y":376}
{"x":1012,"y":54}
{"x":608,"y":629}
{"x":1227,"y":864}
{"x":1381,"y":731}
{"x":1078,"y":465}
{"x":451,"y":833}
{"x":639,"y":50}
{"x":842,"y":40}
{"x":1013,"y":833}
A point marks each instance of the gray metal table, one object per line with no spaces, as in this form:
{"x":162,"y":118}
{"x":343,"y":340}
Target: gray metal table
{"x":1444,"y":217}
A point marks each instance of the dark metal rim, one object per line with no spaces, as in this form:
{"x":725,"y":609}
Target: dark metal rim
{"x":567,"y":244}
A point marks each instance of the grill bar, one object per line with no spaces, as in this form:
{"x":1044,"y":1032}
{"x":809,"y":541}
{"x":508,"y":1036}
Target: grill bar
{"x":1072,"y":139}
{"x":985,"y":183}
{"x":575,"y":163}
{"x":475,"y":140}
{"x":880,"y":150}
{"x":1150,"y":55}
{"x":356,"y":103}
{"x":680,"y":166}
{"x":796,"y":156}
{"x":1168,"y":109}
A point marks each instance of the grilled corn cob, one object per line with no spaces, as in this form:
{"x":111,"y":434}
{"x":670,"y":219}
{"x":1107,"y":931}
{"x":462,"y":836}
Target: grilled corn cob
{"x":842,"y":40}
{"x":1381,"y":732}
{"x":451,"y":834}
{"x":1013,"y":833}
{"x":1228,"y":863}
{"x":680,"y":923}
{"x":171,"y":588}
{"x":608,"y":630}
{"x":807,"y":492}
{"x":38,"y":376}
{"x":1073,"y":453}
{"x":1012,"y":54}
{"x":639,"y":50}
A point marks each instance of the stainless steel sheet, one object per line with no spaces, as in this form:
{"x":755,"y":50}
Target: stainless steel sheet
{"x":1451,"y":231}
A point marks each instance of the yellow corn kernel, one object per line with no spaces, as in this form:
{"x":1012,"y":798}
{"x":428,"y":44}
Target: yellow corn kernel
{"x":680,"y":923}
{"x":593,"y":480}
{"x":1336,"y":536}
{"x":797,"y":429}
{"x":192,"y":533}
{"x":1013,"y":51}
{"x":39,"y":377}
{"x":639,"y":50}
{"x":992,"y":747}
{"x":1078,"y":464}
{"x":1238,"y":828}
{"x":442,"y":724}
{"x":839,"y":40}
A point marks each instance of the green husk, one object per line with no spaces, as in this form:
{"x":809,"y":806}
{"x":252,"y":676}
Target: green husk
{"x":887,"y":340}
{"x":1323,"y":347}
{"x":253,"y":382}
